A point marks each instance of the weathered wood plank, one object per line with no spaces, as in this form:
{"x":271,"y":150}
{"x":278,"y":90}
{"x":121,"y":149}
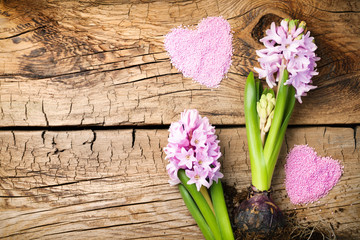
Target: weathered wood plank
{"x":103,"y":63}
{"x":113,"y":184}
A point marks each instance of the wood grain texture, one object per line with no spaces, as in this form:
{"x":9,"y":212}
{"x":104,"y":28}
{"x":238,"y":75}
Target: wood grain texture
{"x":85,"y":63}
{"x":113,"y":184}
{"x":103,"y":62}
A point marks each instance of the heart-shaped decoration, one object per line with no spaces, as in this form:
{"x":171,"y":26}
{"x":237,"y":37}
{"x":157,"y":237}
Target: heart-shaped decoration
{"x":203,"y":54}
{"x":309,"y":177}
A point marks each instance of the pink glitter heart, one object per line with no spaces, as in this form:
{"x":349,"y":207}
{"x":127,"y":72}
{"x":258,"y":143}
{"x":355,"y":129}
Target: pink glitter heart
{"x":309,"y":177}
{"x":203,"y":54}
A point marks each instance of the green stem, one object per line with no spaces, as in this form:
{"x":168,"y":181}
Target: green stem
{"x":276,"y":150}
{"x":194,"y":210}
{"x":205,"y":194}
{"x":201,"y":203}
{"x":222,"y":216}
{"x":277,"y":121}
{"x":259,"y":172}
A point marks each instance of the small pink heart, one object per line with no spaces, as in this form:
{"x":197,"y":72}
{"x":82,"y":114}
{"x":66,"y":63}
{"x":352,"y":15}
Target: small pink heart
{"x":203,"y":54}
{"x":309,"y":177}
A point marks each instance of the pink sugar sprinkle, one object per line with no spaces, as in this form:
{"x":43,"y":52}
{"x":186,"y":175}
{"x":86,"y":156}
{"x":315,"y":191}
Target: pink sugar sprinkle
{"x":203,"y":54}
{"x":309,"y":177}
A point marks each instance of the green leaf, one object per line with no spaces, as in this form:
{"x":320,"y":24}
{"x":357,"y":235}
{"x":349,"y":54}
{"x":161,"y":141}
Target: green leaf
{"x":221,"y":212}
{"x":257,"y":160}
{"x":259,"y":89}
{"x":277,"y":121}
{"x":201,"y":203}
{"x":276,"y":150}
{"x":194,"y":210}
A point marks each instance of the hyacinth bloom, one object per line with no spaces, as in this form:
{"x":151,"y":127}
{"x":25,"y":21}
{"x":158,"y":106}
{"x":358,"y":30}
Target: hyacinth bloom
{"x":193,"y":152}
{"x":193,"y":146}
{"x":288,"y":62}
{"x":288,"y":46}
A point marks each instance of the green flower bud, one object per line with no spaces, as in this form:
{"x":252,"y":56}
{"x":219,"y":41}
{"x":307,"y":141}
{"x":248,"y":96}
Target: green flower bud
{"x":263,"y":102}
{"x":258,"y":107}
{"x":302,"y":25}
{"x":269,"y":96}
{"x":268,"y":122}
{"x":265,"y":108}
{"x":299,"y":37}
{"x":296,"y":21}
{"x":269,"y":108}
{"x":262,"y":113}
{"x":293,"y":24}
{"x":273,"y":101}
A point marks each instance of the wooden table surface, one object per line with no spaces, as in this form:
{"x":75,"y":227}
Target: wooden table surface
{"x":87,"y":93}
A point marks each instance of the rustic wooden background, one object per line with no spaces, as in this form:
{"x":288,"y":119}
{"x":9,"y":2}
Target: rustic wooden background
{"x":87,"y":92}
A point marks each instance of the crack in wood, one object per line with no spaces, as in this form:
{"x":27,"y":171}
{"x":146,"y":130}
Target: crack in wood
{"x":22,"y":33}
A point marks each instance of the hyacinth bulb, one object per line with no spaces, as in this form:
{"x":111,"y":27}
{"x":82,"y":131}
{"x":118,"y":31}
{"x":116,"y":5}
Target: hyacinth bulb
{"x":258,"y":215}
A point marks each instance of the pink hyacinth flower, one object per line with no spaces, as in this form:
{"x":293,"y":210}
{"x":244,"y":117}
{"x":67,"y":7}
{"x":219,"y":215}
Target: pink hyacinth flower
{"x":198,"y":176}
{"x":186,"y":158}
{"x":290,"y":48}
{"x":198,"y":138}
{"x":193,"y":146}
